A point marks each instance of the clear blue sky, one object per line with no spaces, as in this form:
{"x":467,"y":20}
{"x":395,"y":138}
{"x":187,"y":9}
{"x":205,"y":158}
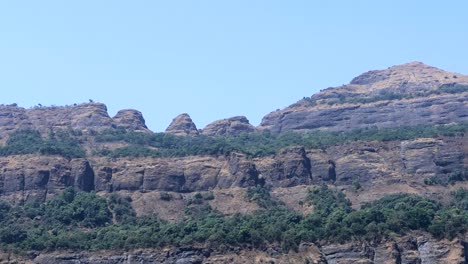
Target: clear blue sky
{"x":214,"y":59}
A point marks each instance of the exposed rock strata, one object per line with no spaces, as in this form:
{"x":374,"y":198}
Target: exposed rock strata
{"x":403,"y":250}
{"x":339,"y":108}
{"x":369,"y":163}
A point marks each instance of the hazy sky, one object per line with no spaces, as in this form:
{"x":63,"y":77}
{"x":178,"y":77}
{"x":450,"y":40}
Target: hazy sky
{"x":214,"y":59}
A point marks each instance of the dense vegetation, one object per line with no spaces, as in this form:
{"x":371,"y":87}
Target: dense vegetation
{"x":69,"y":143}
{"x":86,"y":221}
{"x":258,"y":144}
{"x":28,"y":141}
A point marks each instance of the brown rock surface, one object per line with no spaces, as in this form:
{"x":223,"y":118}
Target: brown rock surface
{"x":130,"y":119}
{"x":83,"y":117}
{"x":229,"y":127}
{"x":182,"y":125}
{"x":334,"y":108}
{"x":379,"y":167}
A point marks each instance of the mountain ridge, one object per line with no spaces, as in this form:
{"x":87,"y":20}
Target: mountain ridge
{"x":354,"y":139}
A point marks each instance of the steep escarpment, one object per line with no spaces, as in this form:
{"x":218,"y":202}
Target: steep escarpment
{"x":407,"y":165}
{"x":201,"y":196}
{"x":411,"y":93}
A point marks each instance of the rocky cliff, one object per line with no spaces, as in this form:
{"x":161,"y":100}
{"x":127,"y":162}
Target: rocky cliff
{"x":409,"y":94}
{"x":374,"y":165}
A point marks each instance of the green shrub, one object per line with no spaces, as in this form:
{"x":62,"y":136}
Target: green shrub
{"x":260,"y":143}
{"x":64,"y":143}
{"x":165,"y":196}
{"x":83,"y":221}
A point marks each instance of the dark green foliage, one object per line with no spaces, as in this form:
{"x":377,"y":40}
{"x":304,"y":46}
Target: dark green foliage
{"x":261,"y":195}
{"x":82,"y":209}
{"x":23,"y":142}
{"x":433,"y":180}
{"x":258,"y":144}
{"x":209,"y":196}
{"x":460,"y":199}
{"x":121,"y":208}
{"x":64,"y":143}
{"x":4,"y":210}
{"x":82,"y":221}
{"x":458,"y":175}
{"x":452,"y":220}
{"x":68,"y":143}
{"x":167,"y":145}
{"x":165,"y":196}
{"x":326,"y":200}
{"x":131,"y":151}
{"x":449,"y":223}
{"x":452,"y":89}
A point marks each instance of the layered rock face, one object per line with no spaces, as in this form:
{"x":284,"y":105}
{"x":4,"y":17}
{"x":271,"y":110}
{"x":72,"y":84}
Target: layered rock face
{"x":229,"y":127}
{"x":84,"y":117}
{"x":375,"y":165}
{"x":411,"y":93}
{"x":182,"y":125}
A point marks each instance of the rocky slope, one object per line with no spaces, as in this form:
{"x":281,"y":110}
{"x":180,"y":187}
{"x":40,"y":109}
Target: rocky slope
{"x":407,"y":94}
{"x":411,"y":93}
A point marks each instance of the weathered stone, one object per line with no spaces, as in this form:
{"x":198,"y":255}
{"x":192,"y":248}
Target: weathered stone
{"x":130,"y":119}
{"x":182,"y":125}
{"x":238,"y":172}
{"x":326,"y":111}
{"x":229,"y":127}
{"x":289,"y":167}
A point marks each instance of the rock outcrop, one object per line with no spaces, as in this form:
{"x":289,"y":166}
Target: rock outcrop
{"x":182,"y":125}
{"x":83,"y":117}
{"x":411,"y":93}
{"x":229,"y":127}
{"x":130,"y":119}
